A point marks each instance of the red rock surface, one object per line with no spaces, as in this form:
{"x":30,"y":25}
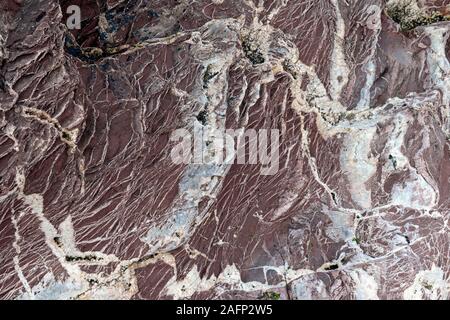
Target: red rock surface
{"x":93,"y":207}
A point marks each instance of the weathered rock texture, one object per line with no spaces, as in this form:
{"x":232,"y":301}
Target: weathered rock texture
{"x":92,"y":207}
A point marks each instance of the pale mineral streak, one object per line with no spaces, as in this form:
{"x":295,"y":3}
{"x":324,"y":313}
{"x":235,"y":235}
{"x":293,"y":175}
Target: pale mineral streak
{"x":93,"y":207}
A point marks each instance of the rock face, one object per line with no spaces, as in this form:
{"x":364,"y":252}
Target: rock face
{"x":92,"y":205}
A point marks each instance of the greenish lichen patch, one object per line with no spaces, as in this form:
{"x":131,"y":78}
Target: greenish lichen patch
{"x":88,"y":257}
{"x":57,"y":241}
{"x":251,"y":50}
{"x":208,"y":75}
{"x":289,"y":68}
{"x":427,"y":286}
{"x":271,"y":295}
{"x":409,"y":16}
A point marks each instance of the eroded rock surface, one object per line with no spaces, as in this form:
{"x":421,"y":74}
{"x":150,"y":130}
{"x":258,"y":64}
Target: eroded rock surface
{"x":93,"y":207}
